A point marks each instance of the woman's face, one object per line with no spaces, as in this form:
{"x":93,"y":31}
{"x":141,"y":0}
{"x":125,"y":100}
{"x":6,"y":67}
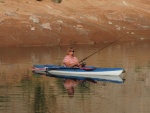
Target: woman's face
{"x":71,"y":52}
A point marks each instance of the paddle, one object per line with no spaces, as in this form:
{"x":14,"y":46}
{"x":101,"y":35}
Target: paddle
{"x":102,"y":48}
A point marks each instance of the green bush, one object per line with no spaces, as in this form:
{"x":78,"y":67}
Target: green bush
{"x":57,"y":1}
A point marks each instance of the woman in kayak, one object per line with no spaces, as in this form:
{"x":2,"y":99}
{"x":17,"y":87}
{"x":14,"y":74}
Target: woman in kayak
{"x":70,"y":60}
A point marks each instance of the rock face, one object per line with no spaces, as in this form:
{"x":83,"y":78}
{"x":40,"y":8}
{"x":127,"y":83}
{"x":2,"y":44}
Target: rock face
{"x":62,"y":22}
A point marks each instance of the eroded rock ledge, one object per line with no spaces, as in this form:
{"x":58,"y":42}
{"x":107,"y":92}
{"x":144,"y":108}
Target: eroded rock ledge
{"x":45,"y":23}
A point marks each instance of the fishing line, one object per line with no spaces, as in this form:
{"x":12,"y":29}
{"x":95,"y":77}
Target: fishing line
{"x":103,"y":48}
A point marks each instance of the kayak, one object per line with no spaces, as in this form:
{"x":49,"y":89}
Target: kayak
{"x":87,"y":72}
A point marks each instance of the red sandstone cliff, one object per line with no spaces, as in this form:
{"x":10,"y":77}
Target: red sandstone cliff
{"x":38,"y":23}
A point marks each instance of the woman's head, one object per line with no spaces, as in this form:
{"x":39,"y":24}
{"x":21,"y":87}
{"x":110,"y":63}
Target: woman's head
{"x":71,"y":51}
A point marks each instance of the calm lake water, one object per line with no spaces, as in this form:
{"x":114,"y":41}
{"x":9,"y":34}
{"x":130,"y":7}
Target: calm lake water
{"x":21,"y":91}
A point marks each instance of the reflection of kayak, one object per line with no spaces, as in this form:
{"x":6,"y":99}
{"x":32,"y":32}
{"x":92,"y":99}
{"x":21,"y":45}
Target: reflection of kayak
{"x":88,"y":72}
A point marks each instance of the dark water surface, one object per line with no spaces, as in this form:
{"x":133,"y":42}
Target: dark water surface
{"x":21,"y":91}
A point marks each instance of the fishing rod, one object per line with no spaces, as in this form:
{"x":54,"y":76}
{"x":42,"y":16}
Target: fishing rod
{"x":102,"y":48}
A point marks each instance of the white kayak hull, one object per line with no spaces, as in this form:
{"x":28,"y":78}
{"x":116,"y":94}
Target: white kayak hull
{"x":110,"y":76}
{"x":86,"y":73}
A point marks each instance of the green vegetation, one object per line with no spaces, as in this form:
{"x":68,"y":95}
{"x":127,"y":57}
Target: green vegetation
{"x":148,"y":65}
{"x":138,"y":69}
{"x":2,"y":1}
{"x":57,"y":1}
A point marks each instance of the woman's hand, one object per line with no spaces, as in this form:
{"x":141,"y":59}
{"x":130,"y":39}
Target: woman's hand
{"x":82,"y":64}
{"x":68,"y":64}
{"x":79,"y":64}
{"x":75,"y":65}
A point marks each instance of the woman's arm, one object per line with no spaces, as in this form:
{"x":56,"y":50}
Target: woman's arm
{"x":68,"y":64}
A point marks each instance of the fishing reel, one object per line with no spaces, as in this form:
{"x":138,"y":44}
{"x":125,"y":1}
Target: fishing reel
{"x":82,"y":64}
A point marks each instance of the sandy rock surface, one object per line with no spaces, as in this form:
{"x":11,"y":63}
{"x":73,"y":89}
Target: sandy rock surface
{"x":46,"y":23}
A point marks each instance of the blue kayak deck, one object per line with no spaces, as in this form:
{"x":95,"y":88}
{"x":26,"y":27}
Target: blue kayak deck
{"x":87,"y":68}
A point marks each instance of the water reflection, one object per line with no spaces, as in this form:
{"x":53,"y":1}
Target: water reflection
{"x":39,"y":99}
{"x":22,"y":92}
{"x":70,"y":85}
